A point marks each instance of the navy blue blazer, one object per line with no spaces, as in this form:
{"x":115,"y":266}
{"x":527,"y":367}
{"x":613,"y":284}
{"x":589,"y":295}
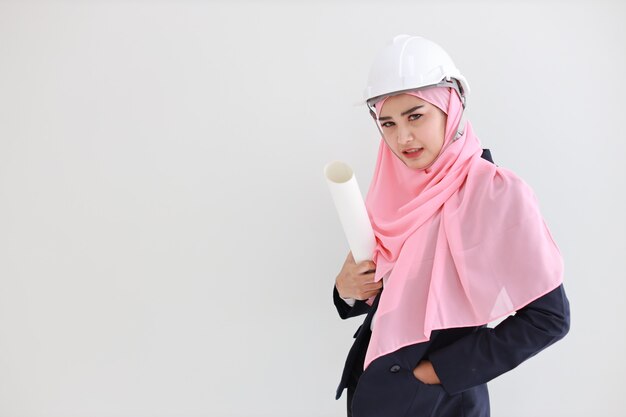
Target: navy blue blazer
{"x":465,"y":358}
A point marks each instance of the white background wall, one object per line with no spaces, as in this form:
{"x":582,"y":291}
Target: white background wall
{"x":168,"y":245}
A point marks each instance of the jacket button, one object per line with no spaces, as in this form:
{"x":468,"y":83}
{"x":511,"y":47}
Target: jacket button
{"x":394,"y":368}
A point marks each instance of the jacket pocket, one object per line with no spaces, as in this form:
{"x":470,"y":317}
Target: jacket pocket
{"x":427,"y":398}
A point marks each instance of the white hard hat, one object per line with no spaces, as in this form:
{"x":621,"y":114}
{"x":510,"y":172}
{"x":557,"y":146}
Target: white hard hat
{"x":409,"y":63}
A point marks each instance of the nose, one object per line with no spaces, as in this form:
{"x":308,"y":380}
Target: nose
{"x":404,"y":135}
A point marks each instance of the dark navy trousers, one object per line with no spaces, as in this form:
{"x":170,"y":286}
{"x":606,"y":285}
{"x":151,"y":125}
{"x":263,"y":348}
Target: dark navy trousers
{"x":465,"y":359}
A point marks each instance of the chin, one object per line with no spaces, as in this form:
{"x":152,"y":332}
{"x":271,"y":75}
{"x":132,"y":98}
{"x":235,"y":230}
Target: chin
{"x":415,"y":164}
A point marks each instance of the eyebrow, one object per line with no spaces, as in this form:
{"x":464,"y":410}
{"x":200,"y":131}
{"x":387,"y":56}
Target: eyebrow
{"x":404,"y":113}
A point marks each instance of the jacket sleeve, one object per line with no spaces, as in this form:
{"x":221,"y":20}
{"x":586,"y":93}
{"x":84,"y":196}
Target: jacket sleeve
{"x":483,"y":355}
{"x":346,"y":311}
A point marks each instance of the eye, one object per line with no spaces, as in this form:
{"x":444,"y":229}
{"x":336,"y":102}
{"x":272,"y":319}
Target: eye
{"x":411,"y":119}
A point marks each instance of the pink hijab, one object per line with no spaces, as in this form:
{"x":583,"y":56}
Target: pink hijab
{"x":463,"y":238}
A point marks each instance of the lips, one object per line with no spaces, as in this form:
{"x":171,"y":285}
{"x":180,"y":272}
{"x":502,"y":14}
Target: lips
{"x":411,"y":149}
{"x":413,"y":155}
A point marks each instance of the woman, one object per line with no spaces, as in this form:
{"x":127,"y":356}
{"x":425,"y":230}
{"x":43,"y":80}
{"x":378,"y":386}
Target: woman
{"x":460,"y":243}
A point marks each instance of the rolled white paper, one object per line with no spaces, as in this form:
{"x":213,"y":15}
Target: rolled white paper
{"x":351,"y":208}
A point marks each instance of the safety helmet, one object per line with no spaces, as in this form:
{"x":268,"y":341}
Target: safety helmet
{"x":409,"y":63}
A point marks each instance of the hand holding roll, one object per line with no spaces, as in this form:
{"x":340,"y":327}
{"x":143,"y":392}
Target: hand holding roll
{"x":357,"y":280}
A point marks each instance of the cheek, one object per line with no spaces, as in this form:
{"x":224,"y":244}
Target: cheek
{"x":442,"y":129}
{"x":442,"y":136}
{"x":436,"y":136}
{"x":439,"y":133}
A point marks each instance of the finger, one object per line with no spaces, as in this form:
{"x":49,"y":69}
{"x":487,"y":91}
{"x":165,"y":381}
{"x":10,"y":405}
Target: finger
{"x":373,"y":286}
{"x":364,"y":295}
{"x":370,"y":294}
{"x":366,"y":266}
{"x":368,"y":276}
{"x":370,"y":284}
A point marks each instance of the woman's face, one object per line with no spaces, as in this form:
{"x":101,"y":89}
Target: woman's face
{"x":409,"y":122}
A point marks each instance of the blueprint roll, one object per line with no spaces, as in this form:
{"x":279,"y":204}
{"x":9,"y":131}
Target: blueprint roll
{"x":351,"y":209}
